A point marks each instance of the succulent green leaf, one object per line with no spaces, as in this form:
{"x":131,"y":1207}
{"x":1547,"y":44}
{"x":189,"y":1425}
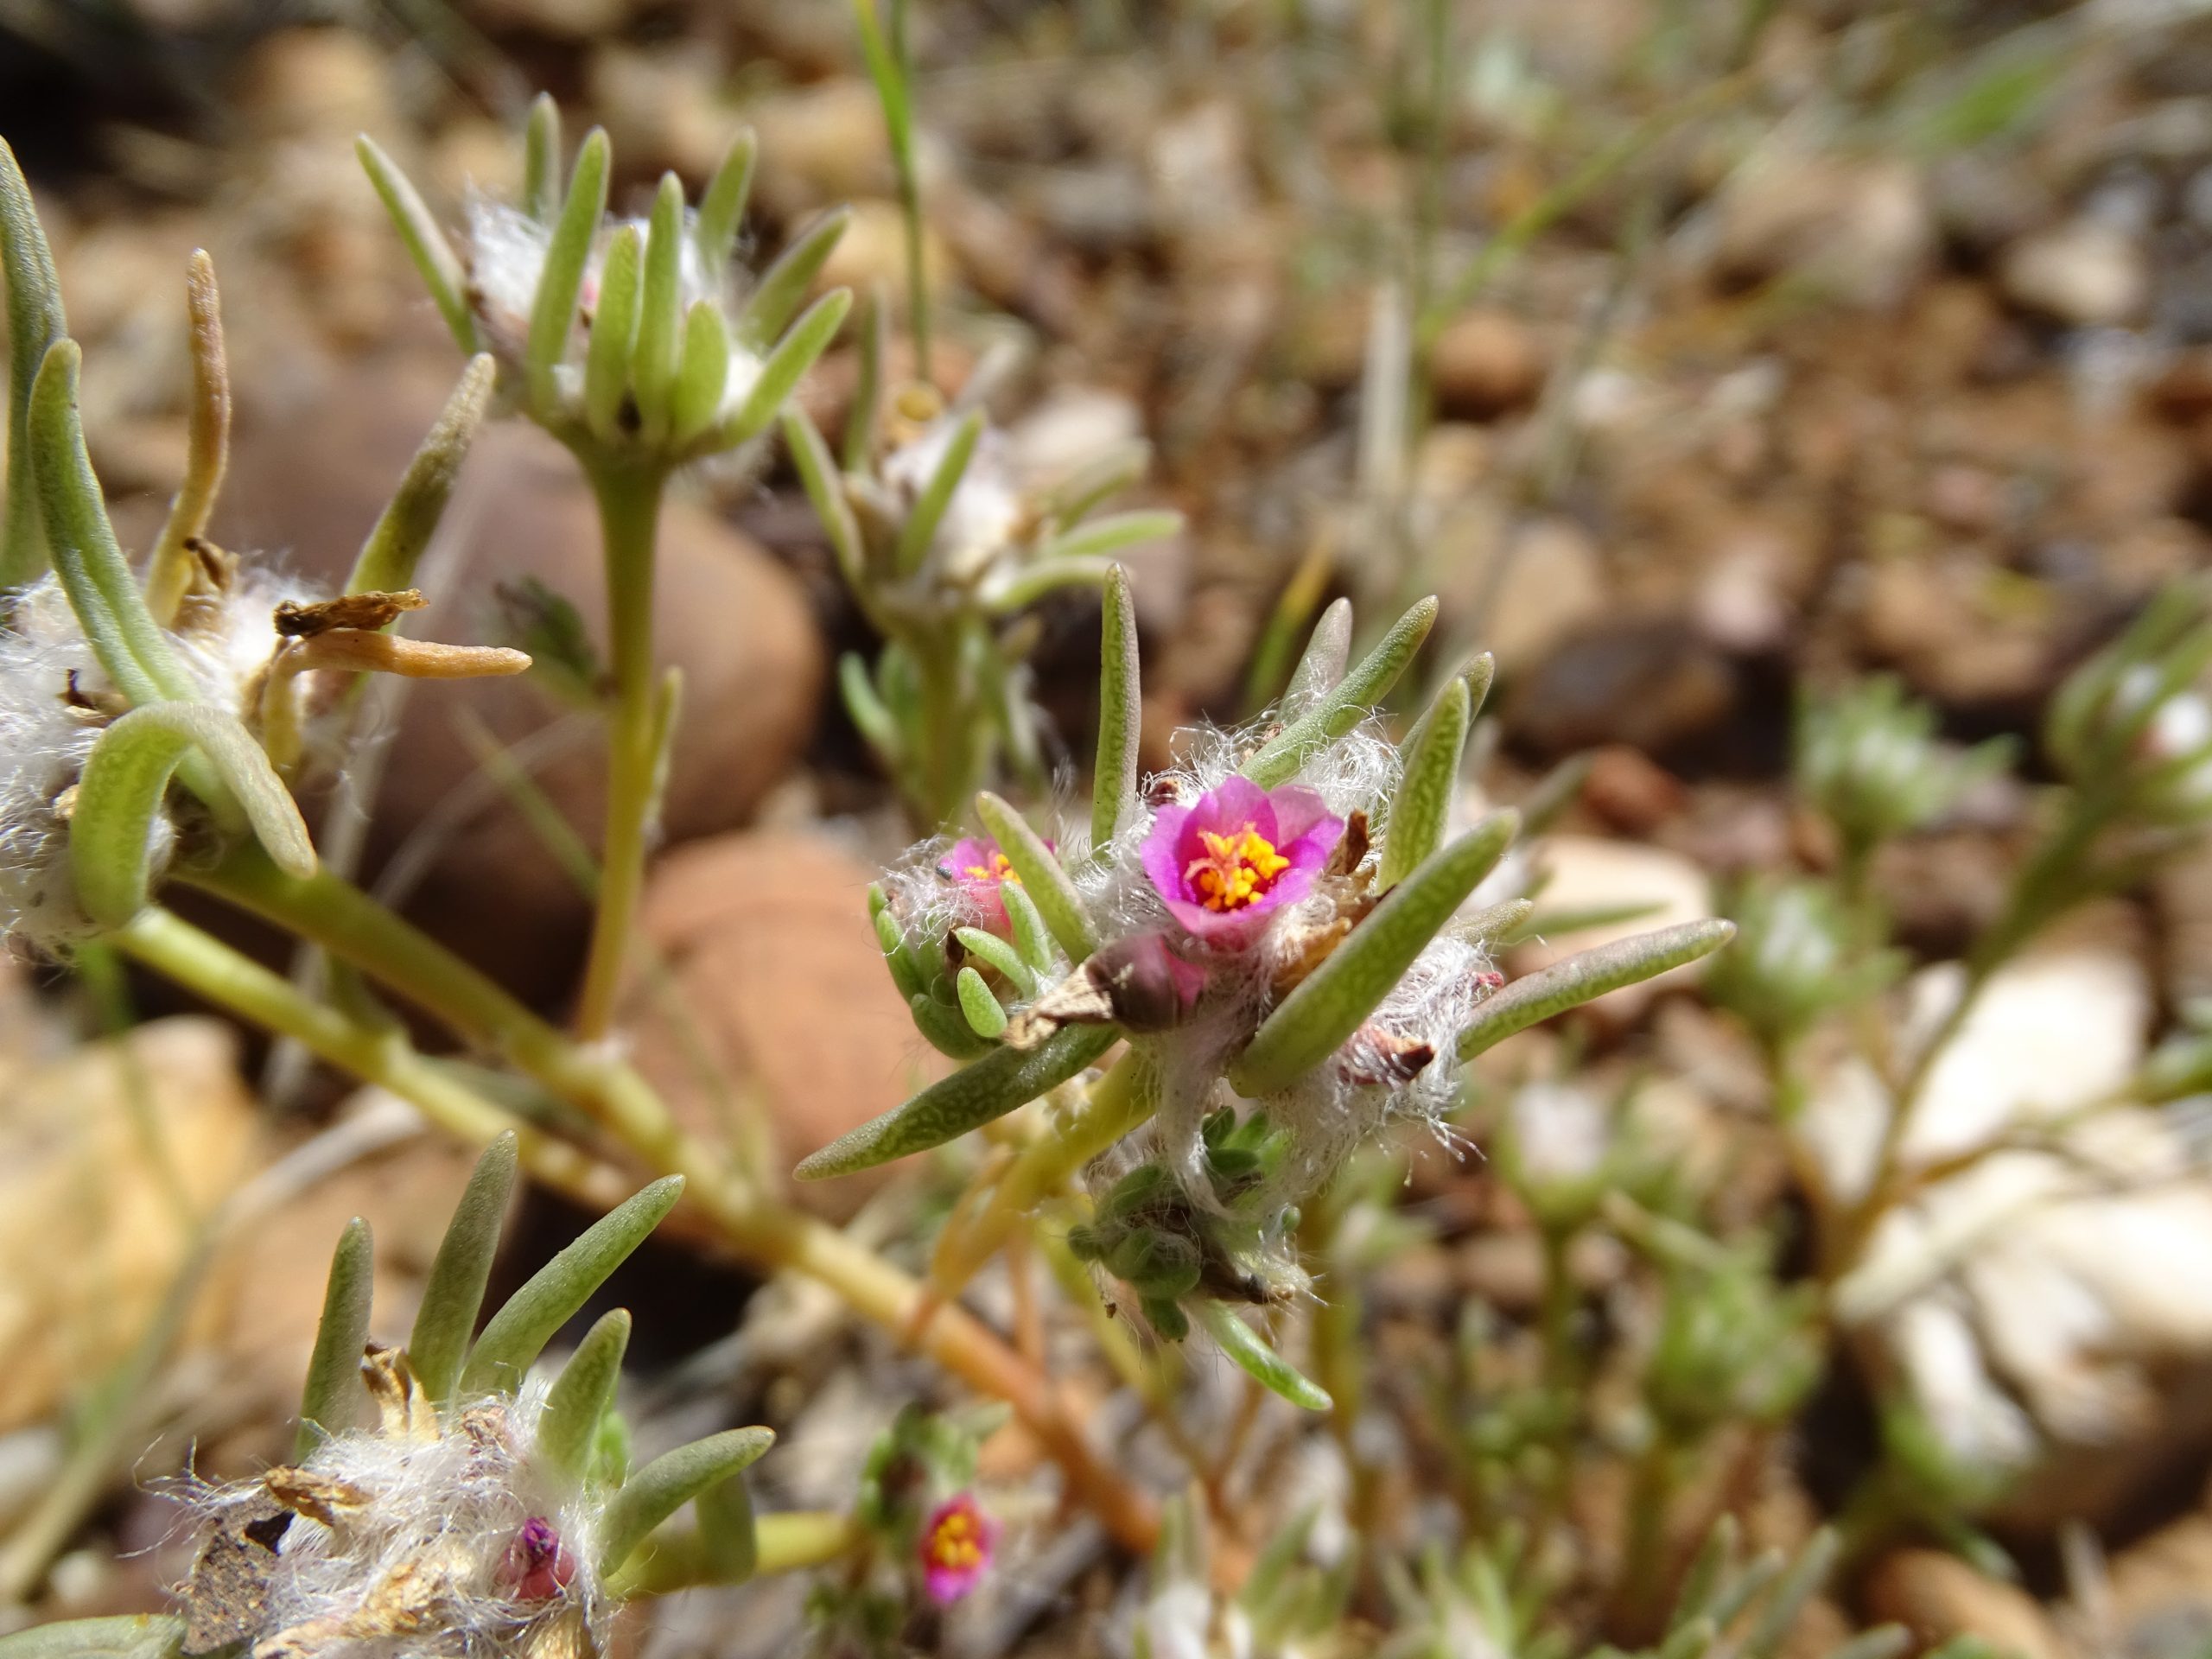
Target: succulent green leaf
{"x":1000,"y":955}
{"x":1346,"y":703}
{"x":1883,"y":1642}
{"x":1332,"y":1001}
{"x":920,"y":528}
{"x":1420,"y":808}
{"x":1243,"y":1344}
{"x":948,"y":1031}
{"x":660,"y":316}
{"x":1587,"y":974}
{"x":333,"y":1397}
{"x":463,"y":1267}
{"x":560,"y":281}
{"x":980,"y":1008}
{"x":1120,"y":712}
{"x":207,"y":444}
{"x":1002,"y":1080}
{"x":1701,"y":1583}
{"x":614,"y":337}
{"x":1328,"y":650}
{"x":1110,"y":473}
{"x":666,"y":1483}
{"x":129,"y":770}
{"x":388,"y":558}
{"x":129,"y":1636}
{"x":517,"y":1333}
{"x":783,"y":286}
{"x":867,"y":710}
{"x":34,"y":322}
{"x":819,"y":472}
{"x":723,"y":206}
{"x":1034,"y":581}
{"x":541,"y":160}
{"x":698,"y":395}
{"x":425,"y":242}
{"x":906,"y":972}
{"x":1031,"y":936}
{"x":1047,"y":884}
{"x":794,"y":355}
{"x":583,"y":1394}
{"x":102,"y":591}
{"x":867,"y":395}
{"x":1479,"y":676}
{"x":1111,"y":534}
{"x":1806,"y":1577}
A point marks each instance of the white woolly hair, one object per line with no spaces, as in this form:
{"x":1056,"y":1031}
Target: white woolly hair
{"x":507,"y":251}
{"x":449,"y":1509}
{"x":47,"y":735}
{"x":987,"y":510}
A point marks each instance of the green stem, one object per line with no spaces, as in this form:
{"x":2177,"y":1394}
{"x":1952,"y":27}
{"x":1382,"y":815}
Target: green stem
{"x":160,"y":940}
{"x":629,"y":512}
{"x":1637,"y":1613}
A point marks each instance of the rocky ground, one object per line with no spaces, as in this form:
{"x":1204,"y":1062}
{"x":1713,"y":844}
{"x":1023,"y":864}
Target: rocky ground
{"x":1879,"y":338}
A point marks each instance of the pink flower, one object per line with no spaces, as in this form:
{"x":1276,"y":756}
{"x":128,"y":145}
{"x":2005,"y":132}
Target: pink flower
{"x":955,"y":1547}
{"x":1239,"y":853}
{"x":976,"y":866}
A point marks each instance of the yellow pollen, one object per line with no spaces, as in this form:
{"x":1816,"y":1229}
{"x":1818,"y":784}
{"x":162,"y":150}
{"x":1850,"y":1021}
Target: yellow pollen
{"x":997,"y":870}
{"x":1235,"y":870}
{"x":958,"y":1541}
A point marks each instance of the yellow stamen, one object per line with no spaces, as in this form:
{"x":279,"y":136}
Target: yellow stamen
{"x":957,"y":1542}
{"x":997,"y":870}
{"x":1234,"y":870}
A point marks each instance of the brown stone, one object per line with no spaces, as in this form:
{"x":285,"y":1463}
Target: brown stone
{"x":1936,"y":1596}
{"x":1485,"y":363}
{"x":772,"y":960}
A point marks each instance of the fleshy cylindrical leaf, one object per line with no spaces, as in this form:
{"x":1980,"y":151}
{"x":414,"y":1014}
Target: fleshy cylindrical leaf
{"x":334,"y":1398}
{"x":34,"y":322}
{"x":660,"y":316}
{"x":130,"y":645}
{"x":614,"y":335}
{"x":110,"y":832}
{"x":1332,"y":1001}
{"x":1421,"y":807}
{"x":541,"y":160}
{"x":705,"y":369}
{"x":783,"y":286}
{"x":1000,"y":955}
{"x":1587,"y":974}
{"x":1120,"y":712}
{"x":207,"y":444}
{"x":1328,"y":650}
{"x":463,"y":1267}
{"x":1345,"y":704}
{"x":125,"y":1636}
{"x":920,"y":528}
{"x":425,"y":242}
{"x":1031,"y":936}
{"x":583,"y":1394}
{"x":995,"y":1085}
{"x":518,"y":1332}
{"x":560,"y":281}
{"x":819,"y":472}
{"x":980,"y":1008}
{"x":947,"y":1030}
{"x":666,"y":1483}
{"x":1252,"y":1357}
{"x":395,"y":547}
{"x":1111,"y":535}
{"x":1047,"y":884}
{"x":723,"y":206}
{"x":779,"y":376}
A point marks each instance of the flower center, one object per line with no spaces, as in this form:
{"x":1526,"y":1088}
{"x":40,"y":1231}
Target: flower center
{"x":957,"y":1542}
{"x":1235,"y":870}
{"x":996,"y":868}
